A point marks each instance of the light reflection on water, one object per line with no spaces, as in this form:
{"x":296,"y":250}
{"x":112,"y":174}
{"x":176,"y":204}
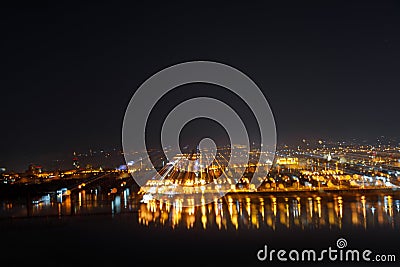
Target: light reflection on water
{"x":310,"y":212}
{"x":233,"y":212}
{"x":80,"y":203}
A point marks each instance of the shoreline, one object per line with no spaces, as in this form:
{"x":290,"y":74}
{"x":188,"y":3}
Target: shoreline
{"x":352,"y":191}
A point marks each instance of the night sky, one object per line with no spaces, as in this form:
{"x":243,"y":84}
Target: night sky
{"x":69,"y":71}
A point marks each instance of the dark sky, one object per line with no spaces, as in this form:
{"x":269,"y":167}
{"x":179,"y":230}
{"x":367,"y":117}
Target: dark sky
{"x":68,"y":71}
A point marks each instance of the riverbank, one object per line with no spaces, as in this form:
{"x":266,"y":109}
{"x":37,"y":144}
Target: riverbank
{"x":294,"y":192}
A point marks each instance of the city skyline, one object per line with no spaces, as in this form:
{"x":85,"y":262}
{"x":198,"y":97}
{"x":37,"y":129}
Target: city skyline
{"x":112,"y":157}
{"x":185,"y":134}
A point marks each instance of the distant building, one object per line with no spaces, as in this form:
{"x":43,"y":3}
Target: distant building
{"x":34,"y":169}
{"x":287,"y":161}
{"x":75,"y":161}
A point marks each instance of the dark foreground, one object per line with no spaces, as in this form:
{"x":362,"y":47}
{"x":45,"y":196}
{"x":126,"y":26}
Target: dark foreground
{"x":121,"y":231}
{"x":99,"y":240}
